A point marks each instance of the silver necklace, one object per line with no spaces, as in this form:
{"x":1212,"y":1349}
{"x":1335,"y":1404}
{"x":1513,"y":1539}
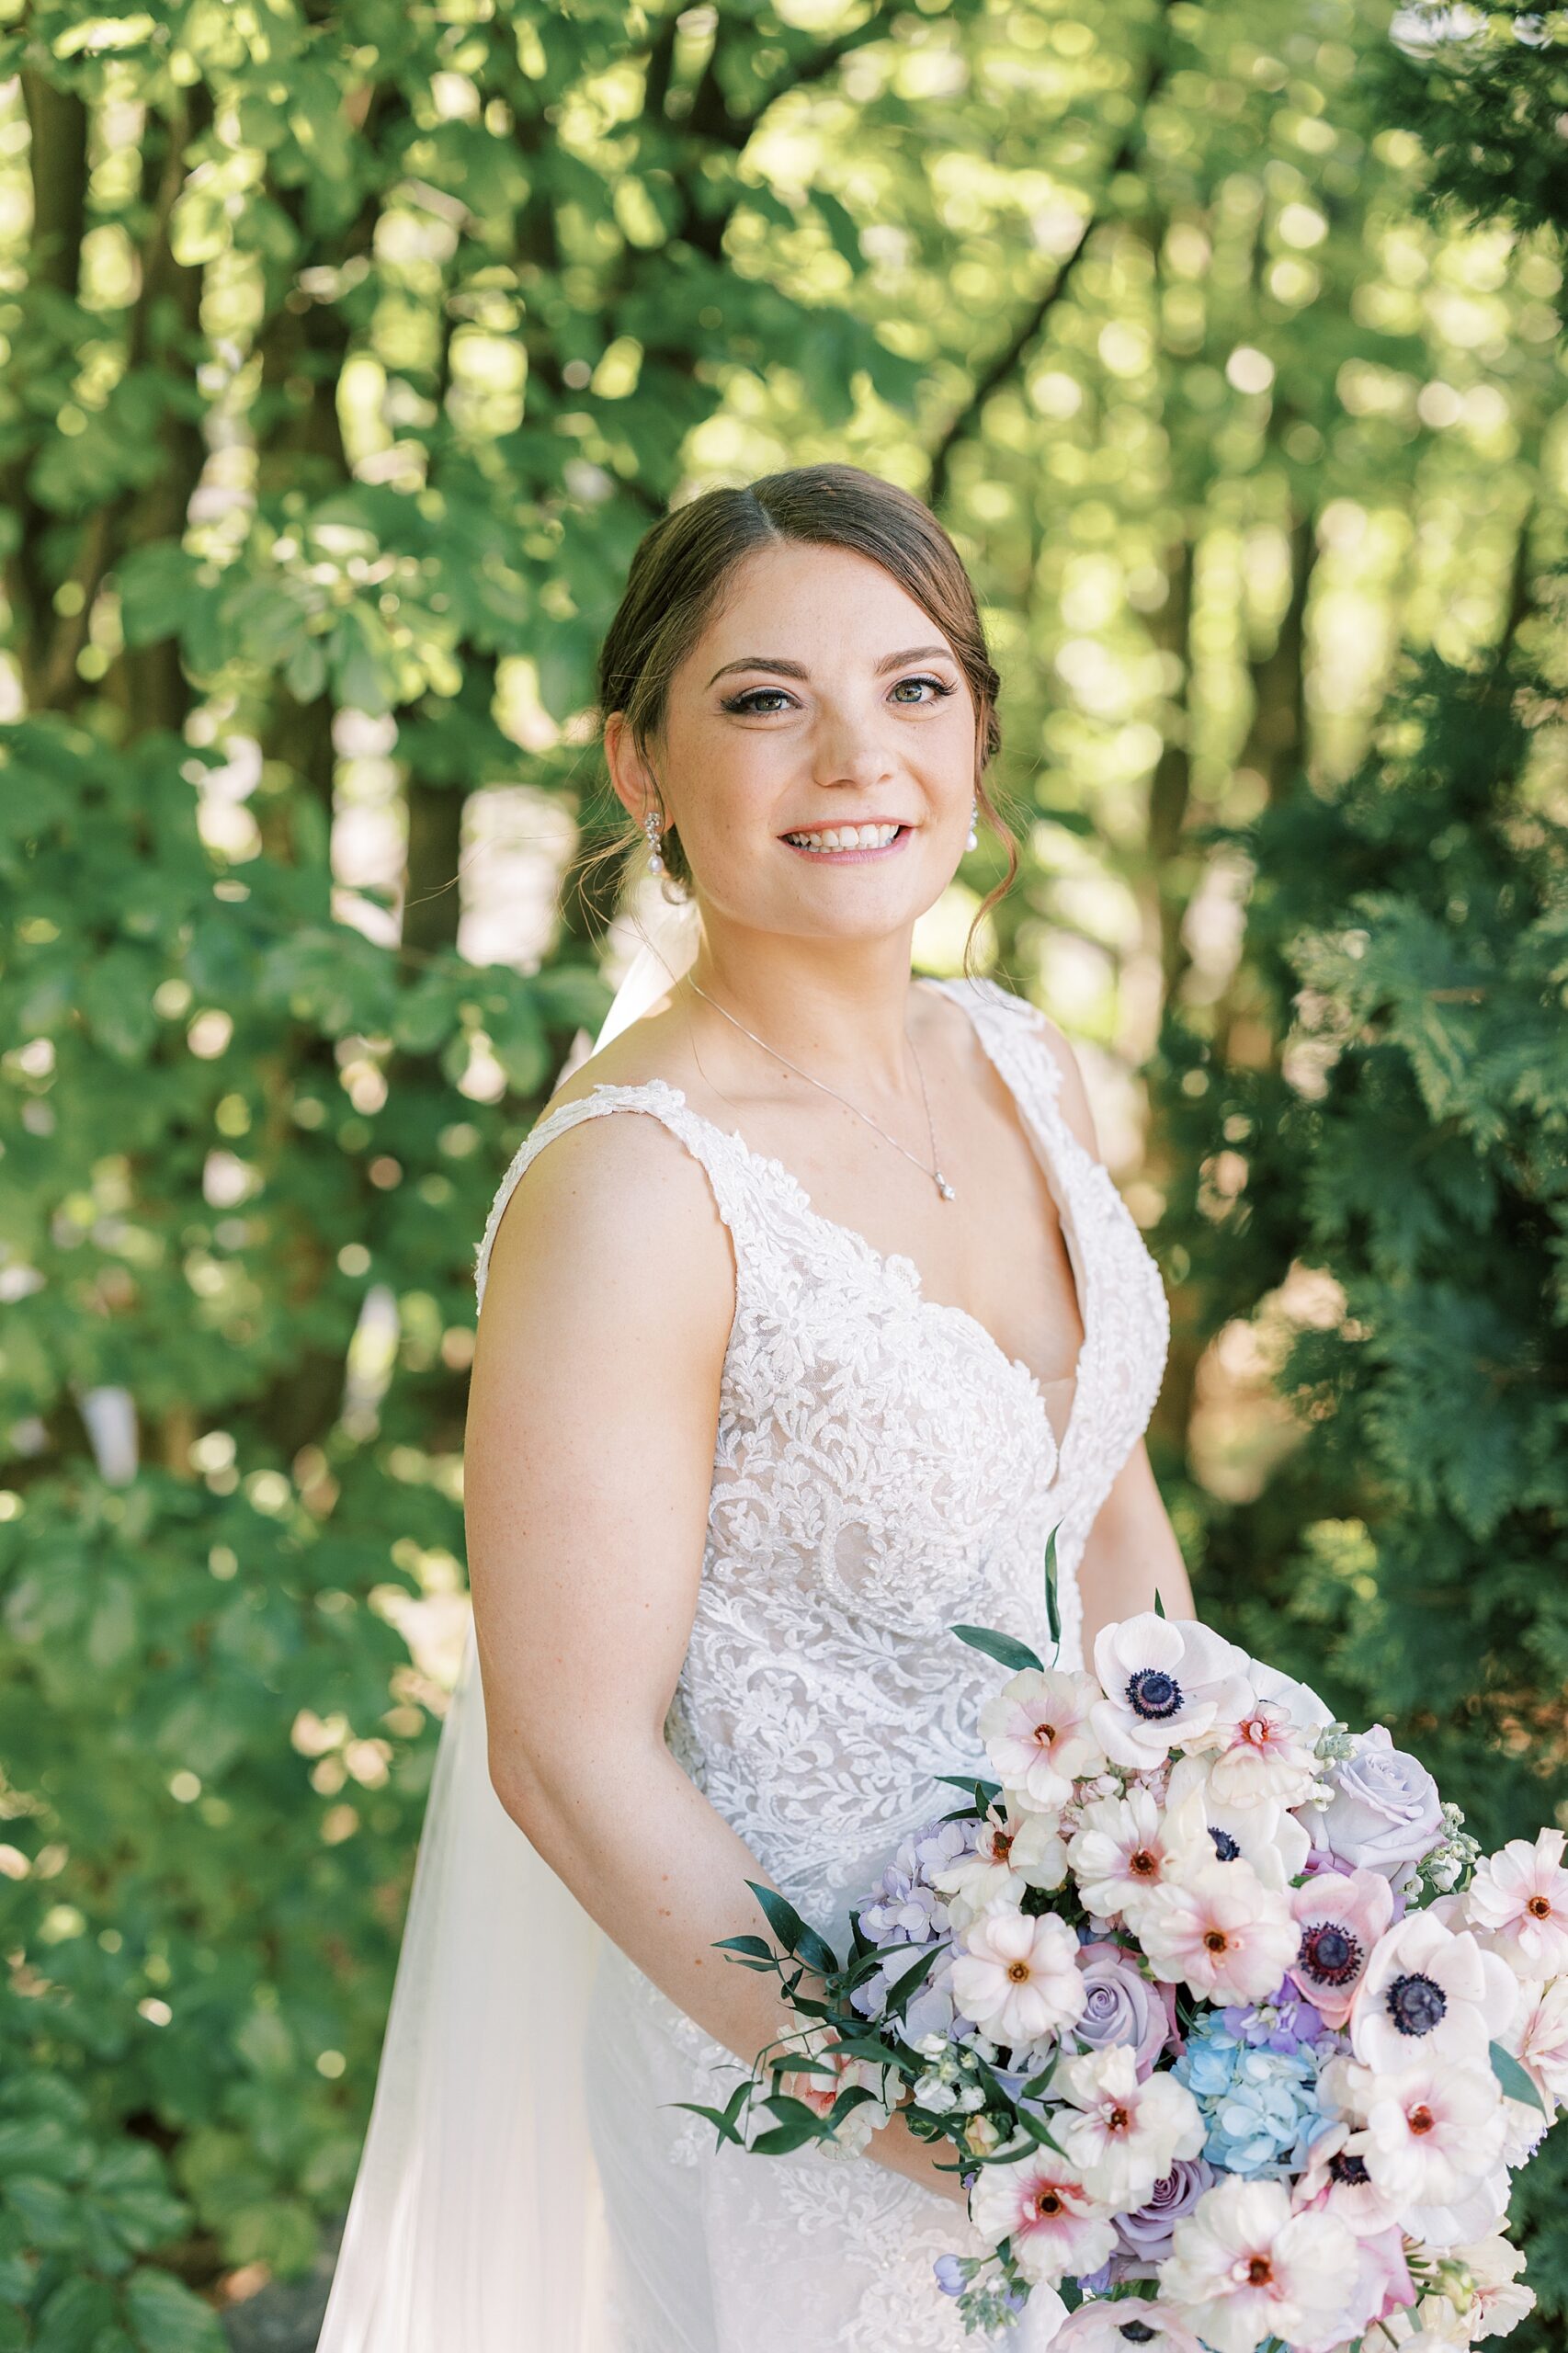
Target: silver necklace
{"x":935,"y":1172}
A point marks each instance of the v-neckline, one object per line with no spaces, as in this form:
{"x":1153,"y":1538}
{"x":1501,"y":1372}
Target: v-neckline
{"x":889,"y":1264}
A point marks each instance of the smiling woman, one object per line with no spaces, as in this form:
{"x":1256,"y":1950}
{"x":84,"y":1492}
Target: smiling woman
{"x":695,"y":573}
{"x":774,"y":1382}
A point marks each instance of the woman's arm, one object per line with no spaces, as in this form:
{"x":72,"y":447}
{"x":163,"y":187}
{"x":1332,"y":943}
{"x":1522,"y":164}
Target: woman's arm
{"x":1132,"y":1553}
{"x":593,"y":1412}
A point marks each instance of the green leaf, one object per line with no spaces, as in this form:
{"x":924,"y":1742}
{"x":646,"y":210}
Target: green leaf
{"x":1159,"y":1605}
{"x":1052,"y":1606}
{"x":1516,"y":2082}
{"x":1001,"y":1647}
{"x":910,"y":1982}
{"x":792,"y":1932}
{"x":984,"y":1792}
{"x":752,"y":1948}
{"x":165,"y":2317}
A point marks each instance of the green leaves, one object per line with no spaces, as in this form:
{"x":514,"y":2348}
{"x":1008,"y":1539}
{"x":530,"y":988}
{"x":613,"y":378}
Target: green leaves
{"x":1517,"y":2082}
{"x":792,"y":1931}
{"x":1002,"y":1648}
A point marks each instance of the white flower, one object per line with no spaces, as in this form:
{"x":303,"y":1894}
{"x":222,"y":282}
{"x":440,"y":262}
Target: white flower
{"x":1126,"y":2134}
{"x":1037,"y":1735}
{"x":1472,"y":2216}
{"x":1257,"y":1754}
{"x":1055,"y":2226}
{"x":1501,"y":2300}
{"x":1431,"y":2130}
{"x":1166,"y":1680}
{"x":1119,"y":1855}
{"x":1521,"y":1895}
{"x":1299,"y":1701}
{"x":1039,"y":1852}
{"x":1429,"y":1993}
{"x":1539,"y":2037}
{"x":1221,"y":1932}
{"x":1244,"y":2268}
{"x":1016,"y":1976}
{"x":984,"y":1877}
{"x":1208,"y":1827}
{"x":1345,"y":2190}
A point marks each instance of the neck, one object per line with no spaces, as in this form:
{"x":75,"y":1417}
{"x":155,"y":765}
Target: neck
{"x":840,"y":1008}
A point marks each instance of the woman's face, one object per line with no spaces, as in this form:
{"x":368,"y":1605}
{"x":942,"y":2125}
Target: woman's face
{"x":820,"y":696}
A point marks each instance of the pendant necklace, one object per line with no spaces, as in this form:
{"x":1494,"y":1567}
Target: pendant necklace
{"x":935,"y":1172}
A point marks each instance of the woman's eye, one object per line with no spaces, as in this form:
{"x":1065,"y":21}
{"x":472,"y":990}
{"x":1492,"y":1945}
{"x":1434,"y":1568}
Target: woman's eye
{"x":756,"y":702}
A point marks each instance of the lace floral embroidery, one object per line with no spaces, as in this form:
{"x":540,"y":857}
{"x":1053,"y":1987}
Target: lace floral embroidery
{"x":881,"y":1469}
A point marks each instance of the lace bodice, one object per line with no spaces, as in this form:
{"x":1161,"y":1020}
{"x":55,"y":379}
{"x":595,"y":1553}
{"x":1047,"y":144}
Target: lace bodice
{"x":881,"y":1470}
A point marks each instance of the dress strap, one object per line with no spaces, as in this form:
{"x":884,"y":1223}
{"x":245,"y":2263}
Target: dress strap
{"x":725,"y":1169}
{"x":1012,"y":1030}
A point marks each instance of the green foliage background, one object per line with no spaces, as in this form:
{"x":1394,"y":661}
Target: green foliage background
{"x":347,"y":352}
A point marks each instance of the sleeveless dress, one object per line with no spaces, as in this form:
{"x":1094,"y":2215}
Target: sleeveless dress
{"x":881,"y":1470}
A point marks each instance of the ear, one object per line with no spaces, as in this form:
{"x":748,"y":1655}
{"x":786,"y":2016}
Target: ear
{"x":631,"y":779}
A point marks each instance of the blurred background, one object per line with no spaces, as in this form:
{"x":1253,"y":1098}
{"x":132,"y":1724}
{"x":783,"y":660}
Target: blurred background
{"x":347,"y":353}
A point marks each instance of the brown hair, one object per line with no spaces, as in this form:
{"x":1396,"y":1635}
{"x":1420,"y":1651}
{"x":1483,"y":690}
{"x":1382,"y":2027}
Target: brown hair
{"x":682,"y":566}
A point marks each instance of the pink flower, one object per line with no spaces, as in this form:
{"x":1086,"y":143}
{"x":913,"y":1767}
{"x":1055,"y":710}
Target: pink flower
{"x":1520,"y":1894}
{"x":1255,"y":1754}
{"x":1221,"y":1932}
{"x":1017,"y":1976}
{"x":1430,"y":1993}
{"x":1123,"y":2134}
{"x":1432,"y":2128}
{"x":1243,"y":2267}
{"x":1120,"y":1853}
{"x":1037,"y":1735}
{"x":1041,"y":2205}
{"x":1341,"y":1919}
{"x":1539,"y":2037}
{"x":1098,"y":2327}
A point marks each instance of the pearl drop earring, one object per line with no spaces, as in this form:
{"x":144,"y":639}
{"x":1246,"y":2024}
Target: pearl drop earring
{"x":973,"y":841}
{"x":652,"y":825}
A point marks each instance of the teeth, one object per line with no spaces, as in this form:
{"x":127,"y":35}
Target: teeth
{"x":845,"y":837}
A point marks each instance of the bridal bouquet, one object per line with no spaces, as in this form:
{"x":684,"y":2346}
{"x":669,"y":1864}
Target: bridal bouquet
{"x":1232,"y":2032}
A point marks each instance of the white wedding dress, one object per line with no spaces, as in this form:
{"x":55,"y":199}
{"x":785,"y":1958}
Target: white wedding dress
{"x":882,"y":1469}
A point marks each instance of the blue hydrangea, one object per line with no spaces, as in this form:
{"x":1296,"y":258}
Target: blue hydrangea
{"x":1262,"y":2106}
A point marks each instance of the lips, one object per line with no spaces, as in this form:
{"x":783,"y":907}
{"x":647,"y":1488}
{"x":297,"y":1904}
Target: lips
{"x":868,"y":833}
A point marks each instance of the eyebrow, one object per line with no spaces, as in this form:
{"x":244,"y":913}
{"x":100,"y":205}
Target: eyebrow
{"x":785,"y":669}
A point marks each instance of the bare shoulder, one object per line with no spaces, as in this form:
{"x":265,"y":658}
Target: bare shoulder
{"x":613,"y":1226}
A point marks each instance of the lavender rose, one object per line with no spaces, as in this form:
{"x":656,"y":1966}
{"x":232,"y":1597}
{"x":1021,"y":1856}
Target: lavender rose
{"x":1121,"y":2005}
{"x":1144,"y":2238}
{"x":1385,"y":1814}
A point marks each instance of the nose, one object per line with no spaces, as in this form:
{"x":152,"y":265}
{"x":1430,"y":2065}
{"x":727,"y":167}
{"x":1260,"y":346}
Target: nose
{"x":847,"y":749}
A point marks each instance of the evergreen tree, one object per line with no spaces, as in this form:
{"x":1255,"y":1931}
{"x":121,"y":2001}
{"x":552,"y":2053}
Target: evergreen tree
{"x":1381,"y":1192}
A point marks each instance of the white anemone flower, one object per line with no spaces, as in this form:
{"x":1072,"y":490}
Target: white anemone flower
{"x":1166,"y":1681}
{"x":1431,"y":2130}
{"x":1432,"y":1994}
{"x":1243,"y":2267}
{"x":1208,"y":1827}
{"x":984,"y":1877}
{"x":1126,"y":2134}
{"x":1037,"y":1735}
{"x":1016,"y":1976}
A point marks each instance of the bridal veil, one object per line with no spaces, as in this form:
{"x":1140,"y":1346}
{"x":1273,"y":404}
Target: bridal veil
{"x":477,"y":2221}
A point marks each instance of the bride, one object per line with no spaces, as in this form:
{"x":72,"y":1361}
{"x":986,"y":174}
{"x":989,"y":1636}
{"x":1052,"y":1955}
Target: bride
{"x":773,"y":1383}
